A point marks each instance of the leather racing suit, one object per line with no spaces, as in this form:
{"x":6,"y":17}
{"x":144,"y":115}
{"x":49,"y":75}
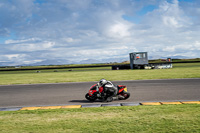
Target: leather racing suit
{"x":108,"y":88}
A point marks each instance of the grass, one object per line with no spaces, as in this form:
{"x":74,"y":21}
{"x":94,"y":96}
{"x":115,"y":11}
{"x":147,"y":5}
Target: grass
{"x":182,"y":70}
{"x":164,"y":118}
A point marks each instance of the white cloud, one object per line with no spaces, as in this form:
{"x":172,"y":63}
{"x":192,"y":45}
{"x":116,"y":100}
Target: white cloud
{"x":13,"y":59}
{"x":173,"y":15}
{"x":169,"y":48}
{"x":22,"y":41}
{"x":197,"y":45}
{"x":30,"y":47}
{"x":69,"y":39}
{"x":78,"y":30}
{"x":119,"y":30}
{"x":170,"y":21}
{"x":11,"y":56}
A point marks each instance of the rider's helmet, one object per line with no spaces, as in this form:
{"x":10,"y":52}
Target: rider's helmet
{"x":102,"y":82}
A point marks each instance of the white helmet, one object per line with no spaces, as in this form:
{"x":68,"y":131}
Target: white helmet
{"x":102,"y":82}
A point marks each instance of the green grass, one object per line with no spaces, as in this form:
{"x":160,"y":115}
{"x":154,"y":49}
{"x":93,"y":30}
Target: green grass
{"x":183,"y":70}
{"x":164,"y":118}
{"x":148,"y":119}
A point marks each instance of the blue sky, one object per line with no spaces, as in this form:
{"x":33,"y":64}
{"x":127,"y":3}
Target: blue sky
{"x":71,"y":31}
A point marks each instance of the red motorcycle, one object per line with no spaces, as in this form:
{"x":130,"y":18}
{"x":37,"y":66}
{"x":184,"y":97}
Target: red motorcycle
{"x":93,"y":95}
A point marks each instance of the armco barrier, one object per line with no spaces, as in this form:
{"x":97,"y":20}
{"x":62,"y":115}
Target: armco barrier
{"x":98,"y":105}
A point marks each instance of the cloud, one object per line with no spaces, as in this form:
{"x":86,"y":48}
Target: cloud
{"x":30,"y":47}
{"x":13,"y":59}
{"x":80,"y":30}
{"x":22,"y":41}
{"x":13,"y":14}
{"x":119,"y":30}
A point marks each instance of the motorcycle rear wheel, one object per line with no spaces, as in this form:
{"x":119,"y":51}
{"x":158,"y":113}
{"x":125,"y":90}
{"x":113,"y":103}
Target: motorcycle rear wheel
{"x":125,"y":95}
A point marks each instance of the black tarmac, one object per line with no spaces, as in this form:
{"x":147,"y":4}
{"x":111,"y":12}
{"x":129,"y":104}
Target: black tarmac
{"x":74,"y":93}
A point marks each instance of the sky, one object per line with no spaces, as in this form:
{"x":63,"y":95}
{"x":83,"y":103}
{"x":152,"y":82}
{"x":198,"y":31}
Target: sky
{"x":72,"y":31}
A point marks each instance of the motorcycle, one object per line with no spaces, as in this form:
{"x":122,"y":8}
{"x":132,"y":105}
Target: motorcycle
{"x":93,"y":95}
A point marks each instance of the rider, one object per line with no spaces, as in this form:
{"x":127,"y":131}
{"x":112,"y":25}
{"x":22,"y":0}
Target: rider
{"x":107,"y":87}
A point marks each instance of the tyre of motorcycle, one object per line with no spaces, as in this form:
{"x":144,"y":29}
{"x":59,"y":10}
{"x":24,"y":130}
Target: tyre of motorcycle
{"x":124,"y":95}
{"x":88,"y":97}
{"x":127,"y":95}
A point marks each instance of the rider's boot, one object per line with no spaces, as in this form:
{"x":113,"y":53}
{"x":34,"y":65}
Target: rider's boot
{"x":109,"y":99}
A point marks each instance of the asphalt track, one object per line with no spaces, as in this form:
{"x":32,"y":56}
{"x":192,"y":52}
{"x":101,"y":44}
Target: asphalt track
{"x":74,"y":93}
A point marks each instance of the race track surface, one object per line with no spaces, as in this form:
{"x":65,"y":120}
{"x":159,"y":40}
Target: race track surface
{"x":74,"y":93}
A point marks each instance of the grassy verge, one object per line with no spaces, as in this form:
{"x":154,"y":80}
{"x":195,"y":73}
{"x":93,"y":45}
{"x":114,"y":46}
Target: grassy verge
{"x":165,"y":118}
{"x":185,"y":70}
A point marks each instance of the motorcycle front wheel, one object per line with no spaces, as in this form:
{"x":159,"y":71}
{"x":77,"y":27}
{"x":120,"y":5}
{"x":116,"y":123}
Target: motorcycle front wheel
{"x":88,"y":97}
